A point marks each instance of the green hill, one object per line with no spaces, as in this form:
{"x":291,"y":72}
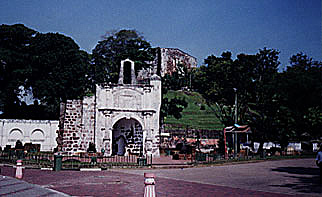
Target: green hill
{"x":197,"y":115}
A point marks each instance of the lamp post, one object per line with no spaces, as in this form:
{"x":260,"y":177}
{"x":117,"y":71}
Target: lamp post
{"x":236,"y":119}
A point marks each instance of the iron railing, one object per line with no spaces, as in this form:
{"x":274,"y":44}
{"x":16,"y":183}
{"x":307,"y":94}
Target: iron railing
{"x":73,"y":162}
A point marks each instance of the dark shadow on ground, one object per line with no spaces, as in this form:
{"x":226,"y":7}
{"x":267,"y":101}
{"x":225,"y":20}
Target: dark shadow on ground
{"x":308,"y":179}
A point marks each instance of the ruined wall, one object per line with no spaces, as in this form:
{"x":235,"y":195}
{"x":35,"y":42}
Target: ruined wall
{"x":170,"y":58}
{"x":88,"y":123}
{"x":78,"y":125}
{"x":108,"y":118}
{"x":72,"y":125}
{"x":85,"y":122}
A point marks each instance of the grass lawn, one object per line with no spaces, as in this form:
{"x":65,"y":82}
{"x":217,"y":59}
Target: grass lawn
{"x":197,"y":115}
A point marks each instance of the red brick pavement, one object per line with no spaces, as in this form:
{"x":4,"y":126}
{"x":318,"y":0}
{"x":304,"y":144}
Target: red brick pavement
{"x":107,"y":183}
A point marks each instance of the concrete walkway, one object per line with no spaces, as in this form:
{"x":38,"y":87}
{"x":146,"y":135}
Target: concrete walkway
{"x":13,"y":187}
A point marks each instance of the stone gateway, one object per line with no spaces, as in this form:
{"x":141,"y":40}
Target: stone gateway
{"x":120,"y":119}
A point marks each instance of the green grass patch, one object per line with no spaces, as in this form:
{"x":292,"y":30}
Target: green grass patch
{"x":197,"y":115}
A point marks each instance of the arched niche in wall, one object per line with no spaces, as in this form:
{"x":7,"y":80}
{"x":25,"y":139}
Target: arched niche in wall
{"x":37,"y":135}
{"x":14,"y":135}
{"x":127,"y":78}
{"x":127,"y":72}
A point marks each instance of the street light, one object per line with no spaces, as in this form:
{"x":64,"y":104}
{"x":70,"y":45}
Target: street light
{"x":236,"y":119}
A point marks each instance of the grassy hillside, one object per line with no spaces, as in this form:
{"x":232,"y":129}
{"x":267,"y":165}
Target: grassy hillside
{"x":197,"y":115}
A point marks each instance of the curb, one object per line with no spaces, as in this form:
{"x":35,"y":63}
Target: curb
{"x":90,"y":169}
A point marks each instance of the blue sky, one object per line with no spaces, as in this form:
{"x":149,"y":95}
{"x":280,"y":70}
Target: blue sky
{"x":199,"y":27}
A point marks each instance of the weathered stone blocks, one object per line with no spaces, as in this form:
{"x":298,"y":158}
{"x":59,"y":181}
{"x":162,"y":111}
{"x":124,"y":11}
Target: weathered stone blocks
{"x":119,"y":119}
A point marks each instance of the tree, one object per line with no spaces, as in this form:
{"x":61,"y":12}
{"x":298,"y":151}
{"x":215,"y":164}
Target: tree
{"x":51,"y":66}
{"x":279,"y":107}
{"x":263,"y":104}
{"x":178,"y":79}
{"x":302,"y":90}
{"x":252,"y":76}
{"x":58,"y":70}
{"x":117,"y":46}
{"x":171,"y":107}
{"x":14,"y":55}
{"x":216,"y":82}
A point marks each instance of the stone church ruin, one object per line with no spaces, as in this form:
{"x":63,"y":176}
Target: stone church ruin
{"x":120,"y":119}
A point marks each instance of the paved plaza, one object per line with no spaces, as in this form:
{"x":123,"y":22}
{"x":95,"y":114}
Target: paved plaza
{"x":13,"y":187}
{"x":297,"y":177}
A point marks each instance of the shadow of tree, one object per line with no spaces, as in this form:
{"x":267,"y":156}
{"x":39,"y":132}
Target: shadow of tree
{"x":298,"y":170}
{"x":308,"y":179}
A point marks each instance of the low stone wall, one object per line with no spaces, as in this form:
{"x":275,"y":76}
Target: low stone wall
{"x":41,"y":132}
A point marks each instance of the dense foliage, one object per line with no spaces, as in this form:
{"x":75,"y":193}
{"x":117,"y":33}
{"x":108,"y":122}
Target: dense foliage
{"x":117,"y":46}
{"x":49,"y":66}
{"x":279,"y":106}
{"x":52,"y":69}
{"x":14,"y":42}
{"x":174,"y":81}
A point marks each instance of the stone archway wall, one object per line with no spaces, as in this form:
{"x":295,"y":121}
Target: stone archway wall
{"x":139,"y":102}
{"x":93,"y":118}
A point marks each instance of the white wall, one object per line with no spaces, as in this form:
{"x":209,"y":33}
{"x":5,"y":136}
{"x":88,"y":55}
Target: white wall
{"x":41,"y":132}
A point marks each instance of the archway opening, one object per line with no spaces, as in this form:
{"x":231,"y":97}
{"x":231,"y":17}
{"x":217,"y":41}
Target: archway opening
{"x":127,"y":137}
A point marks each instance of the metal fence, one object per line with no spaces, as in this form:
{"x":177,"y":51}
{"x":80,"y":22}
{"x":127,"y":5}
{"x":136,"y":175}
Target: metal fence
{"x":74,"y":162}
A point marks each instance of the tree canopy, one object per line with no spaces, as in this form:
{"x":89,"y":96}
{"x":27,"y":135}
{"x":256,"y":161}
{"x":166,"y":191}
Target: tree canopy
{"x":50,"y":66}
{"x":117,"y":46}
{"x":301,"y":90}
{"x":279,"y":106}
{"x":59,"y":69}
{"x":14,"y":45}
